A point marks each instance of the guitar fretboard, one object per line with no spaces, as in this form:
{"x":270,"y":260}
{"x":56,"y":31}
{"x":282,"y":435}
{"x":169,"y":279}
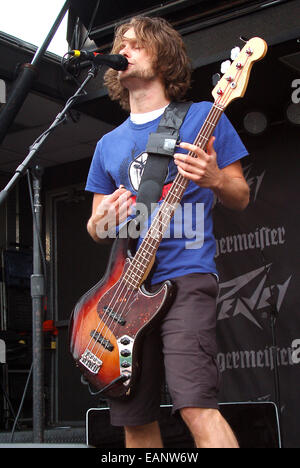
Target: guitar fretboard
{"x":143,"y":258}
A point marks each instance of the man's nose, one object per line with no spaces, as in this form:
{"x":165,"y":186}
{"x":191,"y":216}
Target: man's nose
{"x":125,"y":51}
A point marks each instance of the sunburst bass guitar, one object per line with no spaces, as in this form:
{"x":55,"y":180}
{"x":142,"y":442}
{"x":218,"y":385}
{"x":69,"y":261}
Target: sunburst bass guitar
{"x":109,"y":322}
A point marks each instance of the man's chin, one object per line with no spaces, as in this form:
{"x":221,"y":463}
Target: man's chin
{"x":145,"y":75}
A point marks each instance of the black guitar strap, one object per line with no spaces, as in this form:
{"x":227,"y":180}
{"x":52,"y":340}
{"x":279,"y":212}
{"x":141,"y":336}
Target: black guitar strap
{"x":160,"y":148}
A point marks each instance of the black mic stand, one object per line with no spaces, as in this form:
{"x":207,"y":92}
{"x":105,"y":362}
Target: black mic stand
{"x":37,"y":278}
{"x":274,"y":314}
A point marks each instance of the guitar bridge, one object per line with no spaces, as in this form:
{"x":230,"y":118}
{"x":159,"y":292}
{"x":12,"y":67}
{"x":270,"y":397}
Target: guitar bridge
{"x":90,"y":361}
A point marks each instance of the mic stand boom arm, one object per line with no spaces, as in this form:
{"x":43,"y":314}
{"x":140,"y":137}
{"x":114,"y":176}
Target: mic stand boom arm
{"x":37,"y":278}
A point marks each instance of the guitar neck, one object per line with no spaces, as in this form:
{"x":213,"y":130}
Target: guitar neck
{"x":144,"y":257}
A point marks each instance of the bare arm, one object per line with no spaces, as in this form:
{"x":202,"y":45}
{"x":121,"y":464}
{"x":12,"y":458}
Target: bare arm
{"x":232,"y":188}
{"x":108,"y":211}
{"x":228,"y":184}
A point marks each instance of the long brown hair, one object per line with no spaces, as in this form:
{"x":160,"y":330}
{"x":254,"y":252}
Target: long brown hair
{"x":170,"y":58}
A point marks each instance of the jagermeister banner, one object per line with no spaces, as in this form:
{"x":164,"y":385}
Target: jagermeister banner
{"x":258,"y":261}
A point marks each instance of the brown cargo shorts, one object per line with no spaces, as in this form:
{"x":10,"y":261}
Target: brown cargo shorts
{"x":182,"y":352}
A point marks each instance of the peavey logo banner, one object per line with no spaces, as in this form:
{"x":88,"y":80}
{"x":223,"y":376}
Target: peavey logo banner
{"x":249,"y":294}
{"x":257,"y":256}
{"x":254,"y":181}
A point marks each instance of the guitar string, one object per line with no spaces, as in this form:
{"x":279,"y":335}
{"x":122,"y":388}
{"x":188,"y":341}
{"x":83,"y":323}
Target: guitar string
{"x":133,"y":266}
{"x":139,"y":262}
{"x":202,"y":135}
{"x":115,"y":312}
{"x":183,"y":181}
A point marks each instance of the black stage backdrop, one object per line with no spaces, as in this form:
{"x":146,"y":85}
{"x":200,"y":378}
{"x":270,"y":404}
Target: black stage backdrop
{"x":258,"y":261}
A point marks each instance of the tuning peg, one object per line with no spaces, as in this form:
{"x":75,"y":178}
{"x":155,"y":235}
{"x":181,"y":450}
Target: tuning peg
{"x":215,"y":78}
{"x":234,"y":53}
{"x":225,"y":66}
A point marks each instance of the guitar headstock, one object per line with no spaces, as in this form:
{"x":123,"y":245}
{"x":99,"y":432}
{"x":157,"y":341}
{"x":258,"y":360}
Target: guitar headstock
{"x":234,"y":82}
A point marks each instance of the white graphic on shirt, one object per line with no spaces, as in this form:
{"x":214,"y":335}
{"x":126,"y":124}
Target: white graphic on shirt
{"x":136,"y":170}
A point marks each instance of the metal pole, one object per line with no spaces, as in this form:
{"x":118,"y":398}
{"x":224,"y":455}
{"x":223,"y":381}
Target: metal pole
{"x":25,"y":80}
{"x":37,"y":294}
{"x":10,"y":110}
{"x":42,"y":49}
{"x":37,"y":279}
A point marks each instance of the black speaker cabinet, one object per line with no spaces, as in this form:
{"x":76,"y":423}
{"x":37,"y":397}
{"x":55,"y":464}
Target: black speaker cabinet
{"x":255,"y":425}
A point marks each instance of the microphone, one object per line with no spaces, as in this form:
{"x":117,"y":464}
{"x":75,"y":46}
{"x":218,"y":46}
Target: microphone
{"x":115,"y":61}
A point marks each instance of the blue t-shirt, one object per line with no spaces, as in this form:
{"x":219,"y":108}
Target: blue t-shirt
{"x":188,"y":246}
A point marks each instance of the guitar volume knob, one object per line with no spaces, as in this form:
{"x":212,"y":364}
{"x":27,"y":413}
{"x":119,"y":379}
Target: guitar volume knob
{"x":125,"y":364}
{"x":125,"y":341}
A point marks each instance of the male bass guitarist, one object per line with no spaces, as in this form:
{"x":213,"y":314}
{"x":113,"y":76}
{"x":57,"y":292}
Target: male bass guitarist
{"x":182,"y":350}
